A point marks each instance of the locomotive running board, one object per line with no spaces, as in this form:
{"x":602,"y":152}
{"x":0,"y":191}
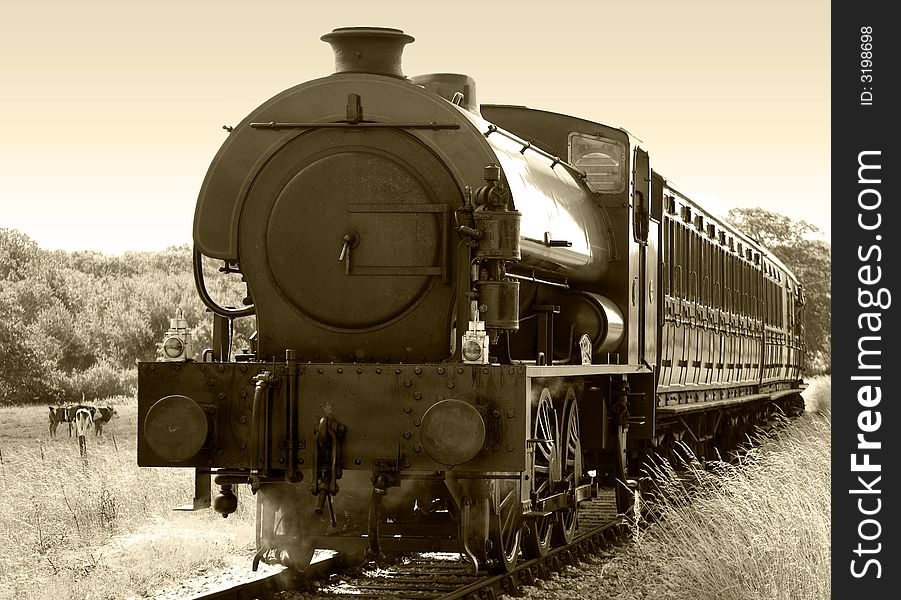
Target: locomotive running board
{"x":584,"y":370}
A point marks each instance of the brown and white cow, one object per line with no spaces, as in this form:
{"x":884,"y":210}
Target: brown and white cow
{"x":65,"y":414}
{"x":101,"y":416}
{"x":82,"y":421}
{"x":60,"y":414}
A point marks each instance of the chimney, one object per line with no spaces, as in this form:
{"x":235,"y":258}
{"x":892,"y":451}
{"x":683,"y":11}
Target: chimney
{"x":376,"y":50}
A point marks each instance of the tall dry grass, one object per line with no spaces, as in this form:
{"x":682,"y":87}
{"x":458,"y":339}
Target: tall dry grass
{"x":100,"y":527}
{"x":755,"y":529}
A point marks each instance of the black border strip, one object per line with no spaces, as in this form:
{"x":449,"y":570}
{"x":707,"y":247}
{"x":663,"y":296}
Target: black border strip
{"x":866,"y":562}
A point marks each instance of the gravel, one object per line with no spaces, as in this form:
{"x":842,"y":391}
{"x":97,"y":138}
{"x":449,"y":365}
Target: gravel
{"x":618,"y":574}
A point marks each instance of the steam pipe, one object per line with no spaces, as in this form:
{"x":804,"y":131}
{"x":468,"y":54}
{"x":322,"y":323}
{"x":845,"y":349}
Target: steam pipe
{"x":379,"y":490}
{"x":260,"y":419}
{"x":292,"y":475}
{"x":205,"y":296}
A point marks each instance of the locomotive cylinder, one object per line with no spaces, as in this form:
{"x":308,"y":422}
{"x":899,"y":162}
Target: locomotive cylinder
{"x":584,"y":313}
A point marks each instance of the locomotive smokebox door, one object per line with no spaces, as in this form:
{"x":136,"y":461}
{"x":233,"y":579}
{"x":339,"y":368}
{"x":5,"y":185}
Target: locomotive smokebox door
{"x":353,"y":241}
{"x":356,"y":241}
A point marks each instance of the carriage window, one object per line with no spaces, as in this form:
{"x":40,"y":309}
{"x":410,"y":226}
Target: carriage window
{"x":678,"y":259}
{"x":602,"y":160}
{"x":668,"y":258}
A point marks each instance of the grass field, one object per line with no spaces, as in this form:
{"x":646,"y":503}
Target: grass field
{"x":100,"y":528}
{"x":756,"y":529}
{"x":104,"y":528}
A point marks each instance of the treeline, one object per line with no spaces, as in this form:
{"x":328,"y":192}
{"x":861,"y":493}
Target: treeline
{"x":796,"y":244}
{"x":74,"y":323}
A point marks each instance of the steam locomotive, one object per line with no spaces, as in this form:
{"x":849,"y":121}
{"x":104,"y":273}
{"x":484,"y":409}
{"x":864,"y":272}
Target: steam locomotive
{"x":469,"y":320}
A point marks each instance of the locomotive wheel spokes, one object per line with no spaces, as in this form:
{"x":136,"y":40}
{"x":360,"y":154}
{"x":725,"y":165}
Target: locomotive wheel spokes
{"x":506,"y":525}
{"x":571,"y":469}
{"x":537,"y":539}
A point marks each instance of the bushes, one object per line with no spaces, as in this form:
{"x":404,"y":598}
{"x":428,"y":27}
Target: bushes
{"x":76,"y":323}
{"x":101,"y":380}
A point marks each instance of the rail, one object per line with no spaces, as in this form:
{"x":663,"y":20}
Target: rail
{"x":434,"y":578}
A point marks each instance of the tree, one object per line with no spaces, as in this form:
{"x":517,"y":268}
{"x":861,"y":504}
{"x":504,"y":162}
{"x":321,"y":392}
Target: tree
{"x":23,"y":375}
{"x":771,"y":229}
{"x":17,"y":252}
{"x":810,"y":259}
{"x":76,"y":322}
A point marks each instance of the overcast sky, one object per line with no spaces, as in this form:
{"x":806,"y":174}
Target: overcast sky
{"x":113,"y":110}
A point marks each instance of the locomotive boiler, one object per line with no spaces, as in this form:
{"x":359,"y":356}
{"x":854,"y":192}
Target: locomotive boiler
{"x":469,"y":319}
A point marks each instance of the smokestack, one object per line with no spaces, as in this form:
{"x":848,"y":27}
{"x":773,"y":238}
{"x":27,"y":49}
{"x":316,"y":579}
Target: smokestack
{"x":376,"y":50}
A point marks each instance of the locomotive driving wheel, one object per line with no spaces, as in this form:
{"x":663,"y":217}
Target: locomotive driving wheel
{"x":570,"y":469}
{"x":536,"y":539}
{"x":506,"y":525}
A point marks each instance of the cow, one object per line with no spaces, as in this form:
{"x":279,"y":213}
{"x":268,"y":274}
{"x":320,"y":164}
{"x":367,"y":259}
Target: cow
{"x":101,"y":416}
{"x":60,"y":414}
{"x":82,"y":421}
{"x":66,"y":414}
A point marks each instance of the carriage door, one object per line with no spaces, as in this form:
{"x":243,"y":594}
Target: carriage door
{"x":643,"y":266}
{"x":645,"y":233}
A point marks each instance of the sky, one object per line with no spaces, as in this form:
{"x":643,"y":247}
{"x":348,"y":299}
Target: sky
{"x":113,"y":110}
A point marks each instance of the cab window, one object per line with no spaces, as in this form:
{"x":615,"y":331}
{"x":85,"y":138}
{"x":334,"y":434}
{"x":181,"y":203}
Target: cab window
{"x":602,"y":160}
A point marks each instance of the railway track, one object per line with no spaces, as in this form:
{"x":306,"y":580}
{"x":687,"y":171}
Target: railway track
{"x":433,"y":576}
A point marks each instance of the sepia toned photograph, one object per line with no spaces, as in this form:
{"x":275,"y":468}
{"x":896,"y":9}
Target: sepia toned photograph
{"x":393,"y":300}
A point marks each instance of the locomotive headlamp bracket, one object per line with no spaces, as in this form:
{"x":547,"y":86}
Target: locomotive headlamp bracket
{"x":475,"y":344}
{"x":177,"y":340}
